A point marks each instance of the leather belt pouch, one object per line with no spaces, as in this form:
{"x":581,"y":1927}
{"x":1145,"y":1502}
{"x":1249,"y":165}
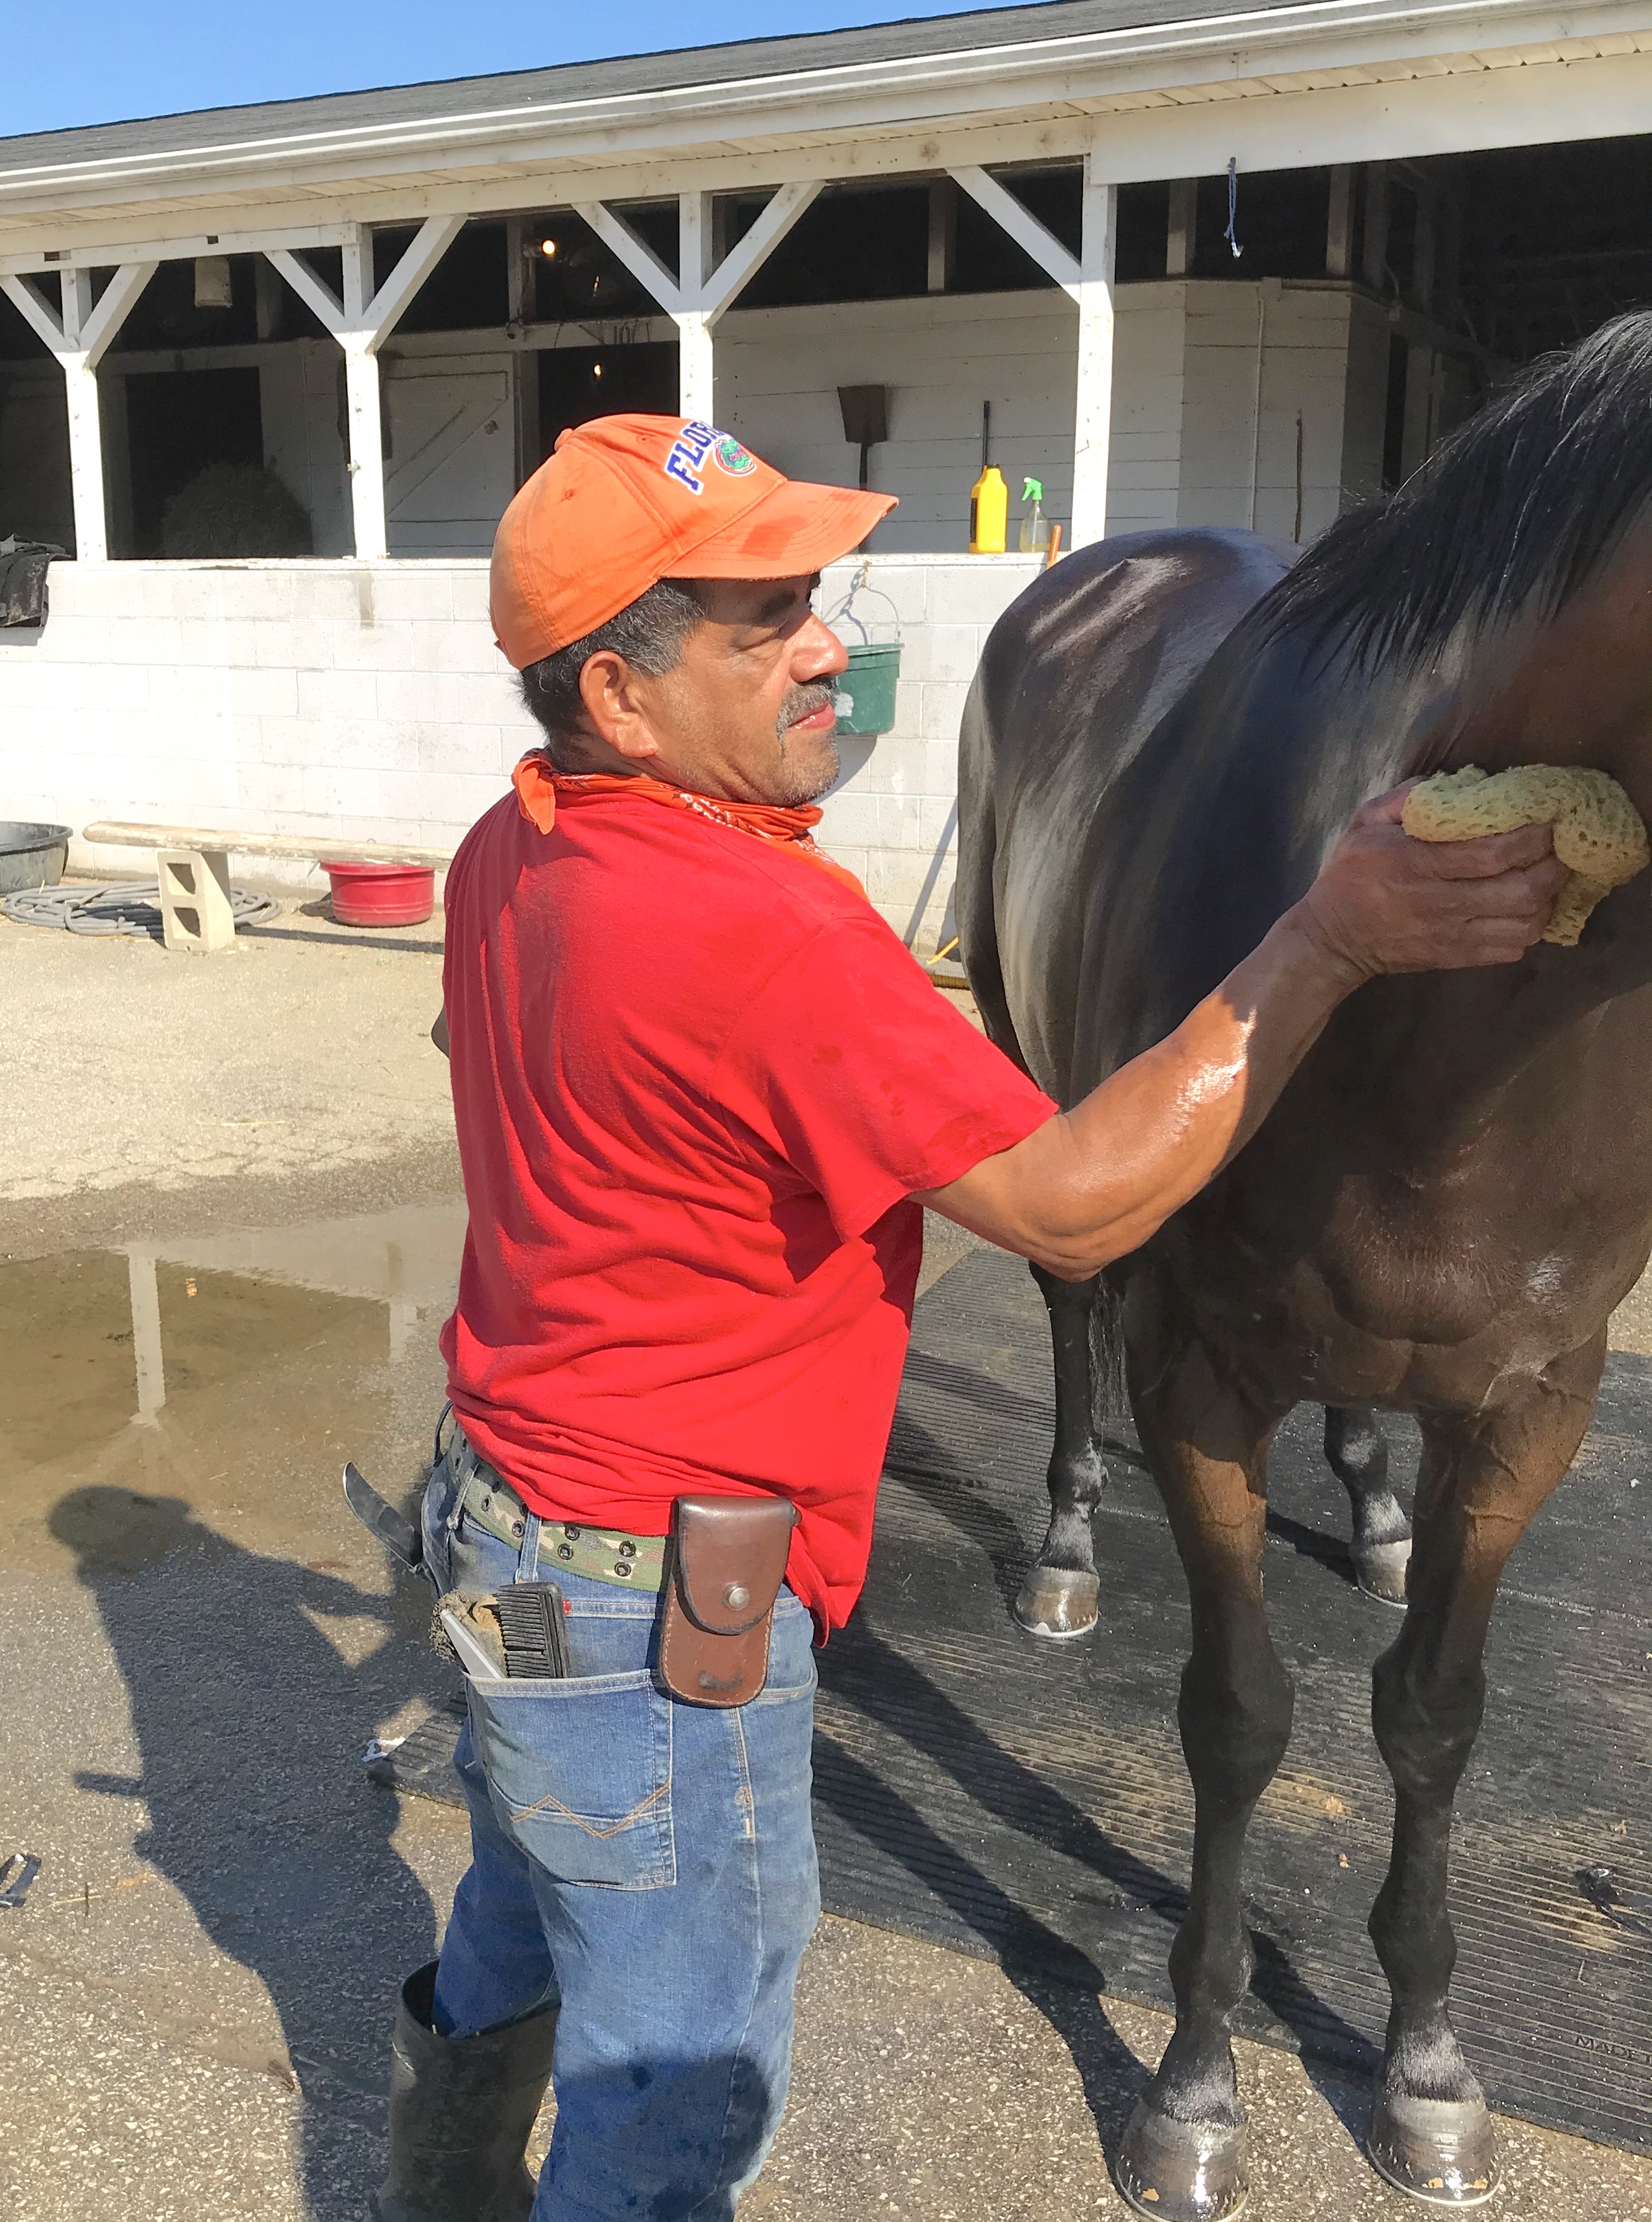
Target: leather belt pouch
{"x":728,"y":1560}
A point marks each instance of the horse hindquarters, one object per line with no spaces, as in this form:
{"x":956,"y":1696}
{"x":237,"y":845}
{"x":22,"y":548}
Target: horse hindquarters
{"x":1484,"y":1476}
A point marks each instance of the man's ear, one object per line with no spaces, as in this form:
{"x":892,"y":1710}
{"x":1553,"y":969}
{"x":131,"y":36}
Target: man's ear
{"x":613,"y":695}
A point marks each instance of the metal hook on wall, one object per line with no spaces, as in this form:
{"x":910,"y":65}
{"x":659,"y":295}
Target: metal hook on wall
{"x":1233,"y":205}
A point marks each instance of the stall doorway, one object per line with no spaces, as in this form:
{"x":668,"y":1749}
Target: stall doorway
{"x":178,"y":421}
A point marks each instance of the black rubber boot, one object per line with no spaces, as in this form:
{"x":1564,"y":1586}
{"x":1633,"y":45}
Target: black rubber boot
{"x":461,"y":2111}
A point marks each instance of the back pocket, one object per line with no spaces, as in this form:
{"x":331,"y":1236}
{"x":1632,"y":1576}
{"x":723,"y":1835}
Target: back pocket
{"x":579,"y":1774}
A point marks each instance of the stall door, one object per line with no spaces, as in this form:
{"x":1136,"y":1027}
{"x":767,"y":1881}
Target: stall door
{"x":450,"y":453}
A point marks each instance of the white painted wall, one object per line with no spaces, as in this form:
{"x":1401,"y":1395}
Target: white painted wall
{"x":1184,"y":407}
{"x":368,"y":701}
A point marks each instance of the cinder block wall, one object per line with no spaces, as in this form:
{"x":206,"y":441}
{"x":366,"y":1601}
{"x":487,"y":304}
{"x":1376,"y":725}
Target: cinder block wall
{"x":368,"y":701}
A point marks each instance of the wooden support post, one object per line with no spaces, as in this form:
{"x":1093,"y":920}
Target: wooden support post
{"x":362,"y":322}
{"x":1423,"y":266}
{"x":79,"y":338}
{"x":701,"y":290}
{"x":1181,"y":232}
{"x":1087,"y":278}
{"x":943,"y":234}
{"x":1339,"y":226}
{"x":1093,"y":422}
{"x":696,"y":364}
{"x":1373,"y":252}
{"x":364,"y":408}
{"x":524,"y":363}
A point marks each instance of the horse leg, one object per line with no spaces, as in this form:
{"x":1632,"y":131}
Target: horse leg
{"x":1357,"y":1451}
{"x":1059,"y":1596}
{"x":1484,"y":1475}
{"x":1182,"y":2156}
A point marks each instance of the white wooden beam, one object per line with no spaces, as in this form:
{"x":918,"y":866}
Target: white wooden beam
{"x":360,"y":322}
{"x":36,"y":311}
{"x":742,"y":261}
{"x":696,"y":356}
{"x":86,"y":329}
{"x":1093,"y":419}
{"x":184,"y":248}
{"x":100,"y":325}
{"x":1023,"y":227}
{"x":363,"y":408}
{"x":315,"y":294}
{"x":85,"y":459}
{"x":701,"y":290}
{"x":390,"y":304}
{"x":1338,"y":223}
{"x":645,"y":265}
{"x":79,"y":338}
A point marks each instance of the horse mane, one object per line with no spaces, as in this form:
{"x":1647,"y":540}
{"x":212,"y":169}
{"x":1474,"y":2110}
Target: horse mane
{"x":1506,"y":519}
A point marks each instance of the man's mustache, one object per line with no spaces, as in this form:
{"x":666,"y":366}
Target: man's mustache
{"x":803,"y":702}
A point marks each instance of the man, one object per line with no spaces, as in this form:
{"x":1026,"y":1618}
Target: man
{"x":701,"y":1091}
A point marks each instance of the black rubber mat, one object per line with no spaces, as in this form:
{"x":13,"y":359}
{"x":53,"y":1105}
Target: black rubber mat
{"x":1027,"y":1800}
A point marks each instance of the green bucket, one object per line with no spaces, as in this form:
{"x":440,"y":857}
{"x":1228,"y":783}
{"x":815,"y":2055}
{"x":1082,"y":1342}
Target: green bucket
{"x":865,"y":697}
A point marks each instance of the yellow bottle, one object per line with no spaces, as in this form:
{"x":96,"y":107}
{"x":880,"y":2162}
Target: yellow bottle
{"x":988,"y":512}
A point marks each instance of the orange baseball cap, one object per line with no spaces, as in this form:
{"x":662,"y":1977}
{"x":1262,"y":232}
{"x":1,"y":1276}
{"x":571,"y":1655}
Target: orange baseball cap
{"x":625,"y":501}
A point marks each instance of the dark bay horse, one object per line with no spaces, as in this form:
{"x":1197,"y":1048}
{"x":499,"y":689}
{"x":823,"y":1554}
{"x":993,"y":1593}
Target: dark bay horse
{"x":1166,"y":734}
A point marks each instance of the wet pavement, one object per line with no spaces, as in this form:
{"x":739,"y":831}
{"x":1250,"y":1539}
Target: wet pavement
{"x":199,"y":1642}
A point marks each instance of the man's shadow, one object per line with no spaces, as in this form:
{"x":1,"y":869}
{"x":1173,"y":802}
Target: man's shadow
{"x":248,"y":1720}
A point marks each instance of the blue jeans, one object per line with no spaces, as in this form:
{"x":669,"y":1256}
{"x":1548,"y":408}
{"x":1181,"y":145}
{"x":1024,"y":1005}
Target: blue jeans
{"x":649,"y":1865}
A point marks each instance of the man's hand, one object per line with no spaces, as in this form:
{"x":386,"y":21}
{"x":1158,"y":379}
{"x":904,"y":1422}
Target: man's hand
{"x":1385,"y":903}
{"x":1092,"y":1184}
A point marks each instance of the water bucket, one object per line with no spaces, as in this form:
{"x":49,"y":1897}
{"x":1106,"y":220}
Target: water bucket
{"x":382,"y":894}
{"x":31,"y":855}
{"x":865,"y":696}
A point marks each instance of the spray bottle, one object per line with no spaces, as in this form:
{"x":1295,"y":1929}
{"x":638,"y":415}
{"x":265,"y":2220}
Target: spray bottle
{"x":988,"y":499}
{"x":1035,"y":526}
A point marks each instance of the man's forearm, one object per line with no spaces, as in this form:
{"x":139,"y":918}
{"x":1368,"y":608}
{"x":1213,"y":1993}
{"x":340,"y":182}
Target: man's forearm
{"x":1092,"y":1184}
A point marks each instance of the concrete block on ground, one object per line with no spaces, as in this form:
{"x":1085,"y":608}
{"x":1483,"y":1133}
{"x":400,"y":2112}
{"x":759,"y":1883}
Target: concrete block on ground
{"x":196,"y":912}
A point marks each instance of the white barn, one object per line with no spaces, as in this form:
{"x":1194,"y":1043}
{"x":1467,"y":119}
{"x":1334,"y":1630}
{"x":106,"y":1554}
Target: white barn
{"x":382,"y":306}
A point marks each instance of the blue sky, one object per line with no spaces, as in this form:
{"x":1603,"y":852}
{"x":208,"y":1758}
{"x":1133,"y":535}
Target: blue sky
{"x":107,"y":59}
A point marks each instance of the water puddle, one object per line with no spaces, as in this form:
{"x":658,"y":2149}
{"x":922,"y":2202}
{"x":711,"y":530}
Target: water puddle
{"x":218,"y":1383}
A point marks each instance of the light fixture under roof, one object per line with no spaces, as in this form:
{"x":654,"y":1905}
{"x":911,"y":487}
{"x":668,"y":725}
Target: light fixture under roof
{"x":547,"y":248}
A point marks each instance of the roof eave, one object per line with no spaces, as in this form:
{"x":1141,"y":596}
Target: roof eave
{"x":941,"y":91}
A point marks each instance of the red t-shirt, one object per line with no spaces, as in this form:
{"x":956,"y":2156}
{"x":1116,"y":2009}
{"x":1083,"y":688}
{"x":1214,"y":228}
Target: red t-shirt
{"x":696,"y":1079}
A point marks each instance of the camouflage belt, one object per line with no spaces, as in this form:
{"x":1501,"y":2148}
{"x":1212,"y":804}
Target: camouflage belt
{"x":599,"y":1554}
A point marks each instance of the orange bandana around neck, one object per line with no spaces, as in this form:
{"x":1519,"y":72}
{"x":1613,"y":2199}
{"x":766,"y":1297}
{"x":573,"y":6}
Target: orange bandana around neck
{"x":540,"y":788}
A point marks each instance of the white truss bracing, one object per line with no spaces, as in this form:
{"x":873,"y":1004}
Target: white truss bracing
{"x":80,"y":338}
{"x":698,"y":296}
{"x":360,"y":322}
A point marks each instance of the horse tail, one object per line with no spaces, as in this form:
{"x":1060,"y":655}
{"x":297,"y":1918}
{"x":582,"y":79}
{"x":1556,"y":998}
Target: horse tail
{"x":1110,"y":1390}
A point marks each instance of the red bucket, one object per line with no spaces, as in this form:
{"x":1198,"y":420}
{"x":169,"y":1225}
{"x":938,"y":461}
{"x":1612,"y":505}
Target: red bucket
{"x":382,"y":894}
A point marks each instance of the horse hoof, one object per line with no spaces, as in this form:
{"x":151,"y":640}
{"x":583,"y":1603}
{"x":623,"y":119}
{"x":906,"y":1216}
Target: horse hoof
{"x":1055,"y":1601}
{"x":1440,"y":2151}
{"x":1180,"y":2172}
{"x":1379,"y":1570}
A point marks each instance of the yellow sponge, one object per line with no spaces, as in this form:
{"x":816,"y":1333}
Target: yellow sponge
{"x":1598,"y":831}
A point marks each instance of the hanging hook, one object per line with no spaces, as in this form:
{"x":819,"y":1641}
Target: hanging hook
{"x":1233,"y":205}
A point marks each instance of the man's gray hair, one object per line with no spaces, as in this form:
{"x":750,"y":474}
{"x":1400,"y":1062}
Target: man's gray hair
{"x":650,"y":633}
